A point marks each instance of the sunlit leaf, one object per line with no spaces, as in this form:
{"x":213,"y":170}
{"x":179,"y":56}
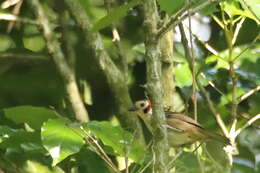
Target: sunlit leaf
{"x":120,"y":140}
{"x":254,"y":5}
{"x":34,"y":43}
{"x":6,"y":43}
{"x":183,"y":75}
{"x":59,"y":140}
{"x":87,"y":96}
{"x":232,"y":8}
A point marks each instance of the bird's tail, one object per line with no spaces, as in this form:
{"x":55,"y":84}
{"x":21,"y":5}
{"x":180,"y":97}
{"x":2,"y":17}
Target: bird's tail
{"x":218,"y":138}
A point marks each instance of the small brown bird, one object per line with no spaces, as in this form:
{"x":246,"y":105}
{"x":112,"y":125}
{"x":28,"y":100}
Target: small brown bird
{"x":182,"y":130}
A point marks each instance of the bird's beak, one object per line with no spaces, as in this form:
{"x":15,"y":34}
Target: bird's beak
{"x":132,"y":108}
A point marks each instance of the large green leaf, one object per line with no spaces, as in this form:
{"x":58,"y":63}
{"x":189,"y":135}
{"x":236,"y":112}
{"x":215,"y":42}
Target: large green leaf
{"x":33,"y":116}
{"x":121,"y":141}
{"x":90,"y":162}
{"x":60,"y":140}
{"x":114,"y":15}
{"x":14,"y":140}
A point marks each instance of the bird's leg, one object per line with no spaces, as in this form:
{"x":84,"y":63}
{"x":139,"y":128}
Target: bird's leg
{"x":197,"y":147}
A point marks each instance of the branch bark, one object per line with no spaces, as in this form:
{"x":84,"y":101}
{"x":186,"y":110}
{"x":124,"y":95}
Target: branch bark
{"x":154,"y":85}
{"x":116,"y":80}
{"x":166,"y":46}
{"x":59,"y":59}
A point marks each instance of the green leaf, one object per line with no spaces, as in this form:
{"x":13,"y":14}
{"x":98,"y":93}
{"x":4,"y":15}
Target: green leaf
{"x":34,"y":43}
{"x":232,"y":8}
{"x":30,"y":30}
{"x":90,"y":162}
{"x":33,"y":166}
{"x":59,"y":140}
{"x":183,"y":75}
{"x":6,"y":43}
{"x":5,"y":133}
{"x":33,"y":116}
{"x":171,"y":6}
{"x":251,"y":54}
{"x":254,"y":6}
{"x":225,"y":99}
{"x":114,"y":15}
{"x":120,"y":140}
{"x":221,"y":63}
{"x":20,"y":140}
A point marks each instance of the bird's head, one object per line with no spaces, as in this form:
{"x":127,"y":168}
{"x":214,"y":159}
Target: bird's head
{"x":143,"y":108}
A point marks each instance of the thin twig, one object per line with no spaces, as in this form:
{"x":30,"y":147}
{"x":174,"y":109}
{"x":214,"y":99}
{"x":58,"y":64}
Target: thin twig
{"x":176,"y":20}
{"x":23,"y":57}
{"x":194,"y":85}
{"x":107,"y":159}
{"x":145,"y":167}
{"x":248,"y":94}
{"x":15,"y":12}
{"x":9,"y":3}
{"x":248,"y":123}
{"x":11,"y":17}
{"x":238,"y":27}
{"x":174,"y":159}
{"x":250,"y":45}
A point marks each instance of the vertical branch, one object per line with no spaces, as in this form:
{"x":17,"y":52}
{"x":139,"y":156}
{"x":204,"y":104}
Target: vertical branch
{"x":65,"y":71}
{"x":154,"y":85}
{"x":228,"y":30}
{"x":166,"y":46}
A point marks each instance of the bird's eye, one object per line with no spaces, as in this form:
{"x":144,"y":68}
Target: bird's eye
{"x":142,"y":104}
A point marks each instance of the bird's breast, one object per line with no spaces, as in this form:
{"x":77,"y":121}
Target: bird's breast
{"x":177,"y":139}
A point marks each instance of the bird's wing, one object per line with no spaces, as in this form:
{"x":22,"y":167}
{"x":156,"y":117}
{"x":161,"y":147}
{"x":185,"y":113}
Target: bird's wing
{"x":182,"y":117}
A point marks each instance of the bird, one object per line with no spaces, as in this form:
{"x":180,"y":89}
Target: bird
{"x":181,"y":129}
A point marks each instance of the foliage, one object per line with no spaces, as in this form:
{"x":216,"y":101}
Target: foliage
{"x":38,"y":130}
